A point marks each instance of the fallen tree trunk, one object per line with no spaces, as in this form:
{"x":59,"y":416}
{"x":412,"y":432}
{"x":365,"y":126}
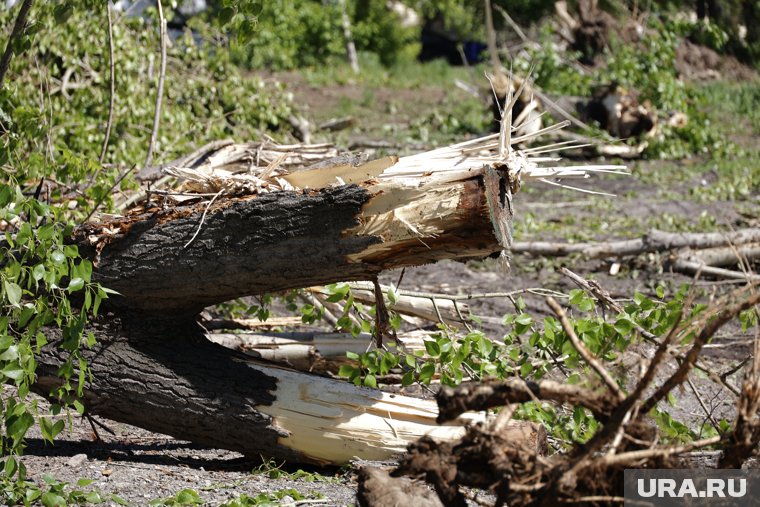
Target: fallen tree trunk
{"x":166,"y":377}
{"x":263,"y":226}
{"x":285,"y":240}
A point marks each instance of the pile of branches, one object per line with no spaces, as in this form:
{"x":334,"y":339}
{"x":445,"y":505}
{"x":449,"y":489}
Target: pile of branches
{"x":590,"y":472}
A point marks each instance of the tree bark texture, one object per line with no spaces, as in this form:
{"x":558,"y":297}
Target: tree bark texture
{"x":280,"y":241}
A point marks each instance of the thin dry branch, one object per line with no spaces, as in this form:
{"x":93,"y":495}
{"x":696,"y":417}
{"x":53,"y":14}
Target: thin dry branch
{"x":160,"y":90}
{"x":18,"y":28}
{"x":717,"y":318}
{"x":631,"y":458}
{"x":112,"y":83}
{"x":653,"y":241}
{"x":583,"y":351}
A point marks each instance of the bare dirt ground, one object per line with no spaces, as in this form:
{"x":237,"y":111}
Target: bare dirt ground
{"x":140,"y":466}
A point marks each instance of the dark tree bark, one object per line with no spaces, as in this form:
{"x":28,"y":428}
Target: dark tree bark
{"x":270,"y":243}
{"x":167,"y":377}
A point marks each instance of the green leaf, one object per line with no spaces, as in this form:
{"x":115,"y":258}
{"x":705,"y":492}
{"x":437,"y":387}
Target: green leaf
{"x":426,"y":372}
{"x":119,"y":500}
{"x":392,"y":295}
{"x":346,"y":370}
{"x":10,"y":354}
{"x":13,"y":371}
{"x":57,"y":257}
{"x":225,"y":15}
{"x":51,"y":499}
{"x":93,"y":497}
{"x":18,"y":425}
{"x":432,"y":348}
{"x":75,"y":284}
{"x":370,"y":381}
{"x":10,"y":466}
{"x":12,"y":292}
{"x":188,"y":497}
{"x":524,"y":319}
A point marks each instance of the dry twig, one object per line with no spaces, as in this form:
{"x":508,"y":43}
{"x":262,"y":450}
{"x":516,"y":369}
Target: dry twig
{"x":18,"y":28}
{"x":160,"y":90}
{"x":112,"y":82}
{"x":583,"y":351}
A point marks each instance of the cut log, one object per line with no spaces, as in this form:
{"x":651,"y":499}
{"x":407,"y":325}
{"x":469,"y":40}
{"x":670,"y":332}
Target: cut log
{"x":286,"y":240}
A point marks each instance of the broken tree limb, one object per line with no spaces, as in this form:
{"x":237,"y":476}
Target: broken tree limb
{"x":653,"y":241}
{"x":726,"y":256}
{"x":690,"y":267}
{"x":451,"y":312}
{"x":452,"y":402}
{"x":305,"y":350}
{"x":166,"y":377}
{"x":277,"y":228}
{"x":284,"y":240}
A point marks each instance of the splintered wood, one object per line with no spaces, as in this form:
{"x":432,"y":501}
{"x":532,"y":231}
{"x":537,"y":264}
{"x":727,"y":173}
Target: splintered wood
{"x":417,"y":203}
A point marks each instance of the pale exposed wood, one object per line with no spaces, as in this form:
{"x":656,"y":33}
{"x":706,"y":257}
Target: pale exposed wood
{"x":302,"y":349}
{"x":416,"y":306}
{"x":334,"y":422}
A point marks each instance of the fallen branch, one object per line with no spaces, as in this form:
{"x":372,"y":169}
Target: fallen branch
{"x":453,"y":402}
{"x":653,"y":241}
{"x":726,"y":256}
{"x":693,"y":267}
{"x":306,"y":350}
